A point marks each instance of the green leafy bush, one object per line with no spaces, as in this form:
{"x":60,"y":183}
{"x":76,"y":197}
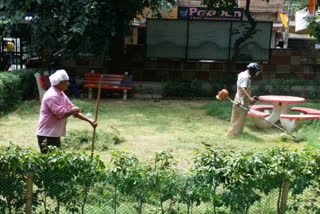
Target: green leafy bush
{"x":10,"y":93}
{"x":16,"y":86}
{"x":13,"y":175}
{"x":183,"y":88}
{"x":305,"y":88}
{"x":228,"y":82}
{"x":28,"y":83}
{"x":218,"y":182}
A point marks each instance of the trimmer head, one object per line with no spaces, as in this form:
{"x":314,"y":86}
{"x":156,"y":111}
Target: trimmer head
{"x":222,"y":95}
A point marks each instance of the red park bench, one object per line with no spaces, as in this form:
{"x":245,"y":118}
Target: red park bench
{"x":109,"y":81}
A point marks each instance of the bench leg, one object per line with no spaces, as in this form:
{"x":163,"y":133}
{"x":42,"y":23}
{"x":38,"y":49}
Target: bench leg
{"x":125,"y":94}
{"x":90,"y":93}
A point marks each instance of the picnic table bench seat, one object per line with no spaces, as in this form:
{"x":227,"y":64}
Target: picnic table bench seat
{"x":262,"y":107}
{"x":109,"y":81}
{"x":299,"y":116}
{"x":255,"y":110}
{"x":255,"y":113}
{"x":306,"y":110}
{"x":291,"y":121}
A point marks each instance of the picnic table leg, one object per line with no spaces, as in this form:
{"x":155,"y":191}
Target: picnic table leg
{"x":283,"y":108}
{"x":290,"y":124}
{"x":278,"y":108}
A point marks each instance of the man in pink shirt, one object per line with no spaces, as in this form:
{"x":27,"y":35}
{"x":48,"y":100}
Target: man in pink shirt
{"x":55,"y":109}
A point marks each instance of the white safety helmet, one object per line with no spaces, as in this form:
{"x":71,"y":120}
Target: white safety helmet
{"x":254,"y":68}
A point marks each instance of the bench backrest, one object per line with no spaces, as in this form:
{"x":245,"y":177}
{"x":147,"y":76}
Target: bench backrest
{"x":108,"y":79}
{"x":44,"y":81}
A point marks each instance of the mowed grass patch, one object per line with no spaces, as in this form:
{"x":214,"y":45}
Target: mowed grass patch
{"x":146,"y":127}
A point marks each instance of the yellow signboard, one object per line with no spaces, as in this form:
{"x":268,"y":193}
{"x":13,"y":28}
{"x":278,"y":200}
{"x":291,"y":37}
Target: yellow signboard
{"x":173,"y":14}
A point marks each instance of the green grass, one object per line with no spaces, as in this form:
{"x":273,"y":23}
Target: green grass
{"x":146,"y":127}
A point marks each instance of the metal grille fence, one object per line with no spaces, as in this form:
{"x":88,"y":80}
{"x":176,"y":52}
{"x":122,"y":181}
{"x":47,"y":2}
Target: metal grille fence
{"x":276,"y":181}
{"x":203,"y":39}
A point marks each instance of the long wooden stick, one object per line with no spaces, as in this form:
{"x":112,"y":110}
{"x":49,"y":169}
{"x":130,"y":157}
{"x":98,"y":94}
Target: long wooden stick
{"x":96,"y":118}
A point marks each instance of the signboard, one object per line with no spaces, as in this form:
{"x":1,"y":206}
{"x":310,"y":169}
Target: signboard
{"x":200,"y":13}
{"x":165,"y":14}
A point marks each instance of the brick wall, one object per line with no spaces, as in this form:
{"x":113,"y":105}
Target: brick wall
{"x":284,"y":63}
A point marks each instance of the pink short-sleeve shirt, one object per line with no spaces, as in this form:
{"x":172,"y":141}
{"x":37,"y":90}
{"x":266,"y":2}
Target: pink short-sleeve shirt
{"x":53,"y":107}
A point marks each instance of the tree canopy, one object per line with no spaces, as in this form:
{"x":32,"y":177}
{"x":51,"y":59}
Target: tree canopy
{"x":76,"y":25}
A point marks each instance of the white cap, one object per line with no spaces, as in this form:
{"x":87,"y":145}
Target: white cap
{"x":58,"y":76}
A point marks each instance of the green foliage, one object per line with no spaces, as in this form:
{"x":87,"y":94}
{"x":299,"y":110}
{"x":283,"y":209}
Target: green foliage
{"x":9,"y":85}
{"x":75,"y":183}
{"x":28,"y":84}
{"x":67,"y":178}
{"x":15,"y":87}
{"x":82,"y":139}
{"x":304,"y":88}
{"x":207,"y":167}
{"x":14,"y":165}
{"x":165,"y":177}
{"x":183,"y":88}
{"x":227,"y":82}
{"x":76,"y":25}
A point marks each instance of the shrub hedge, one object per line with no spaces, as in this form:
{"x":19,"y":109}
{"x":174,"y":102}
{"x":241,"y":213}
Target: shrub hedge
{"x":183,"y":88}
{"x":16,"y":86}
{"x":218,"y":182}
{"x":309,"y":89}
{"x":194,"y":88}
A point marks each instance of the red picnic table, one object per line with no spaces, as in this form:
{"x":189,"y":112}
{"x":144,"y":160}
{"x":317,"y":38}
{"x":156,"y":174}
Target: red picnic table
{"x":280,"y":111}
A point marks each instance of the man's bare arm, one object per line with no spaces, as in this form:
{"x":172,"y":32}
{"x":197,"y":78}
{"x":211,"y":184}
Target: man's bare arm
{"x":245,"y":93}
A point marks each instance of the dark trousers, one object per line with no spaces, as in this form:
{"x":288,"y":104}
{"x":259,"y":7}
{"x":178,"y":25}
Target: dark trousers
{"x":44,"y":142}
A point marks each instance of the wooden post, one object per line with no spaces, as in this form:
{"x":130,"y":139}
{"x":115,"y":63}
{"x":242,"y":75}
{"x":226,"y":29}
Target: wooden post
{"x":96,"y":117}
{"x":29,"y":193}
{"x":284,"y":196}
{"x":125,"y":94}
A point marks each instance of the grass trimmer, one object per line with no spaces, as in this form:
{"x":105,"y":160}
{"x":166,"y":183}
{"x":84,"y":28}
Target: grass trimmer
{"x":224,"y":94}
{"x":96,"y":117}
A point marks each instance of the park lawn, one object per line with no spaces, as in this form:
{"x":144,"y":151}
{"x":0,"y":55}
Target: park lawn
{"x":148,"y":127}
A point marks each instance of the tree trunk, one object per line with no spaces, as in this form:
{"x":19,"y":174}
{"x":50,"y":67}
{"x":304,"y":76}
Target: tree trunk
{"x":115,"y":200}
{"x":279,"y":197}
{"x":29,"y":193}
{"x":284,"y":196}
{"x":246,"y":35}
{"x":116,"y":49}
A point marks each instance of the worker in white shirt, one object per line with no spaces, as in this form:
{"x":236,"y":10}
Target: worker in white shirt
{"x":244,"y":98}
